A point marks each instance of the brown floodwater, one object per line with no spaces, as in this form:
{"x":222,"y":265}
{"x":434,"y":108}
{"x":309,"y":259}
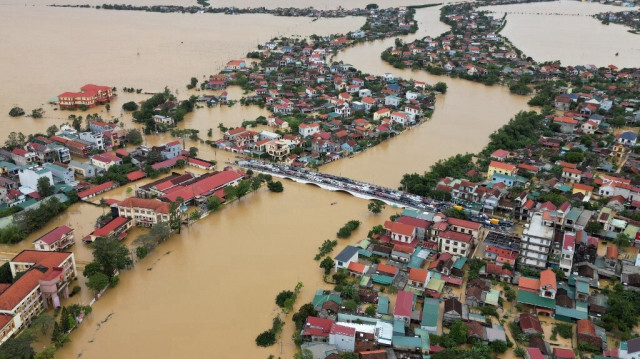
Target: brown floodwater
{"x":462,"y":122}
{"x":210,"y":291}
{"x":564,"y":23}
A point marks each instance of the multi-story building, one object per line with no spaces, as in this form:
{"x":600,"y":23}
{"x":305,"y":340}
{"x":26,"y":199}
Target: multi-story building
{"x":91,"y":95}
{"x":45,"y":277}
{"x":277,"y":149}
{"x":56,"y":239}
{"x":568,"y":250}
{"x":95,"y":139}
{"x":144,"y":212}
{"x":536,"y":242}
{"x":60,"y":174}
{"x":104,"y":161}
{"x":454,"y":243}
{"x":29,"y":177}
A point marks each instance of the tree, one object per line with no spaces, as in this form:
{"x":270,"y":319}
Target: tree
{"x":91,"y":269}
{"x":214,"y":203}
{"x":498,"y":346}
{"x":622,"y":240}
{"x":458,"y":332}
{"x":243,"y":188}
{"x":376,"y":206}
{"x":282,"y":297}
{"x":154,"y":157}
{"x":97,"y":282}
{"x":141,"y":252}
{"x":256,"y":182}
{"x":372,"y":6}
{"x":327,"y":264}
{"x":175,"y":214}
{"x":441,"y":87}
{"x":51,"y":130}
{"x":371,"y":310}
{"x":5,"y":273}
{"x":16,"y":112}
{"x":47,"y":353}
{"x":193,"y":151}
{"x":519,"y":352}
{"x":44,"y":322}
{"x":192,"y":83}
{"x":349,"y":355}
{"x":350,"y":304}
{"x":15,"y":140}
{"x":230,"y":193}
{"x":45,"y":189}
{"x":275,"y":186}
{"x":130,"y":106}
{"x":111,"y":255}
{"x":134,"y":137}
{"x":18,"y":347}
{"x":594,"y":227}
{"x":37,"y":112}
{"x":266,"y":338}
{"x":300,"y":317}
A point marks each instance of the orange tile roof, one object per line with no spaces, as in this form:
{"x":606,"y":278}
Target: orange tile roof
{"x":356,"y":267}
{"x":502,"y":166}
{"x":583,"y":187}
{"x":385,"y":268}
{"x":418,"y":275}
{"x":529,"y":284}
{"x":400,"y":228}
{"x":157,"y":206}
{"x":548,"y":278}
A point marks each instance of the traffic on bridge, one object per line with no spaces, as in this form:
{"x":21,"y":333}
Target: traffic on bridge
{"x":337,"y":183}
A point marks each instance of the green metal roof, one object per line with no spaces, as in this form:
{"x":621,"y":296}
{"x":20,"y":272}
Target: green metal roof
{"x":403,"y":342}
{"x":535,"y":300}
{"x":572,"y":313}
{"x":492,"y":297}
{"x":460,"y":262}
{"x":398,"y":327}
{"x":382,"y":279}
{"x":320,"y":298}
{"x":383,"y":304}
{"x":435,"y":285}
{"x":424,"y":336}
{"x":364,"y":281}
{"x":430,"y":312}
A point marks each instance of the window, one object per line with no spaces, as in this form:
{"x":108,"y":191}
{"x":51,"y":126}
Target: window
{"x":447,"y":241}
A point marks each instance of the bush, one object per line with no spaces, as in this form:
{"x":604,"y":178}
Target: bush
{"x":348,"y":228}
{"x":282,"y":297}
{"x":16,"y":112}
{"x":275,"y":186}
{"x":565,"y":330}
{"x":141,"y":252}
{"x":130,"y":106}
{"x":75,"y":291}
{"x":440,"y":87}
{"x":266,"y":339}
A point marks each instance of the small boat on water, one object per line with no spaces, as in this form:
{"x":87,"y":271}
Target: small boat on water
{"x":332,"y":203}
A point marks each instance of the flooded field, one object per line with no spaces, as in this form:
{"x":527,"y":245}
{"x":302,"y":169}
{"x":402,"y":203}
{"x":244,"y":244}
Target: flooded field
{"x":565,"y":23}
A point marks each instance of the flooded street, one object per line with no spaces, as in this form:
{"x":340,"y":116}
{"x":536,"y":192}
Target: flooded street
{"x":558,"y":38}
{"x":463,"y":120}
{"x":214,"y":286}
{"x":211,"y":290}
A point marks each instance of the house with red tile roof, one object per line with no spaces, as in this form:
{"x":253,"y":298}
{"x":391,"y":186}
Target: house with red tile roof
{"x":203,"y":186}
{"x":417,"y":278}
{"x":343,"y":337}
{"x":502,"y":168}
{"x":529,"y":324}
{"x":455,"y":243}
{"x":96,"y":190}
{"x":90,"y":96}
{"x":143,"y":212}
{"x":357,"y":269}
{"x":56,"y":239}
{"x":400,"y":232}
{"x":405,"y":303}
{"x":500,"y":155}
{"x":44,"y":282}
{"x":116,"y":228}
{"x":316,"y":330}
{"x":587,"y":334}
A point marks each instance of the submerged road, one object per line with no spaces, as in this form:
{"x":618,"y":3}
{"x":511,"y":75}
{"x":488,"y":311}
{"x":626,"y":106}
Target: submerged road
{"x":343,"y":184}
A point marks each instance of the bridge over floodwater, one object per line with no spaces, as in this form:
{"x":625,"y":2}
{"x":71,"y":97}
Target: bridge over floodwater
{"x":335,"y":183}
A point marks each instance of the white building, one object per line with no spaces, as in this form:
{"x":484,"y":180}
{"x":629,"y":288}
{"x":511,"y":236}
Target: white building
{"x":63,"y":174}
{"x":310,"y":129}
{"x":536,"y":242}
{"x":343,"y":337}
{"x":95,"y":139}
{"x":29,"y":178}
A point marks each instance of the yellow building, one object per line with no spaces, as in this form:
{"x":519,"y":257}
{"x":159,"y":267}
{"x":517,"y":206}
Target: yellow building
{"x":582,"y":188}
{"x":502,"y":168}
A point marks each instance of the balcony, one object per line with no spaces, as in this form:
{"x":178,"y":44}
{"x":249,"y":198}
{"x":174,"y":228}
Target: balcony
{"x":534,"y":255}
